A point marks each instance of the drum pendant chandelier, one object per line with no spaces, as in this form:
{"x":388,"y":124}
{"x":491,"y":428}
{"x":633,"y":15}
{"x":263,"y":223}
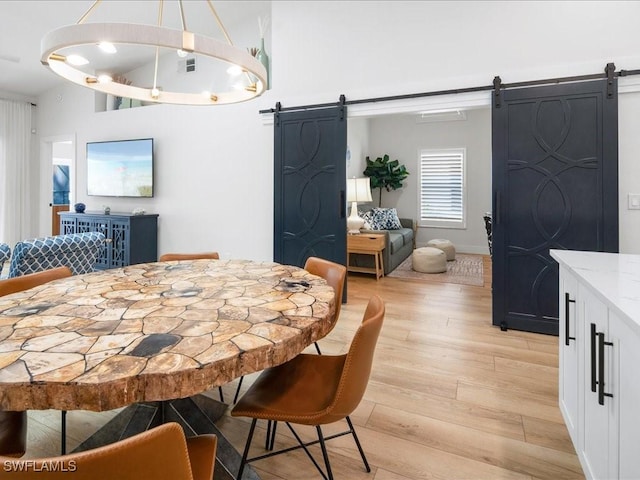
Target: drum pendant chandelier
{"x":58,"y":49}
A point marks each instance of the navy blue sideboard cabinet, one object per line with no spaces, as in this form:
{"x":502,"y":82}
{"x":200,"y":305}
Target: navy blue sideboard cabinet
{"x":130,"y":239}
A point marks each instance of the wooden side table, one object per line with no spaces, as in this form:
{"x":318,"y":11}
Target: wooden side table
{"x":367,"y":244}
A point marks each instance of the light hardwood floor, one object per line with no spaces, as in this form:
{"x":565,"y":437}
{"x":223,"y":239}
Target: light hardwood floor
{"x":450,"y":396}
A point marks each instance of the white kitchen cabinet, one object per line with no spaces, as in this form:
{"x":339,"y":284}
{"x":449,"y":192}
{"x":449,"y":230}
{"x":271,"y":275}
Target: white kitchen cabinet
{"x":599,"y":391}
{"x":625,"y":433}
{"x":568,"y":353}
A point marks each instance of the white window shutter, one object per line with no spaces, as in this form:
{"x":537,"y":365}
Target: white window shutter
{"x":442,"y":189}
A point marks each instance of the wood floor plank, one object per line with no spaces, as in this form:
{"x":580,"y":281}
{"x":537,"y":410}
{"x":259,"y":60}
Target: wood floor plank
{"x":536,"y":406}
{"x":496,"y":450}
{"x":447,"y":410}
{"x":547,"y":434}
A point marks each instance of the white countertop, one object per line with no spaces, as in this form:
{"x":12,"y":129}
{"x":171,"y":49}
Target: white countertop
{"x":613,"y":277}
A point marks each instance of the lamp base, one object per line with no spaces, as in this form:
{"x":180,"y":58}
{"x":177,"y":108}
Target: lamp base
{"x":354,"y":222}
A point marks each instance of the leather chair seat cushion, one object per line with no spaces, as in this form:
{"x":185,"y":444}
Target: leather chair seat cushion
{"x":298,"y":391}
{"x":429,"y":260}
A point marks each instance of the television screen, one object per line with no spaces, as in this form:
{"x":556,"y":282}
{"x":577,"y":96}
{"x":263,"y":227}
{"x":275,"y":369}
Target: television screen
{"x":122,"y":168}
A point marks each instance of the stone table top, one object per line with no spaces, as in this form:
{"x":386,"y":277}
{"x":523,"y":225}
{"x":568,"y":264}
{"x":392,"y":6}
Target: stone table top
{"x":155,"y":331}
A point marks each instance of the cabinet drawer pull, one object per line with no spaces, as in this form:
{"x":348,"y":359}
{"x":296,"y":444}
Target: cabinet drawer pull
{"x":593,"y":357}
{"x":601,"y":345}
{"x":567,"y":301}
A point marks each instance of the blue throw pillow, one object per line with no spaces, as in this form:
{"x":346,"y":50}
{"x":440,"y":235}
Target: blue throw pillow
{"x":383,"y":219}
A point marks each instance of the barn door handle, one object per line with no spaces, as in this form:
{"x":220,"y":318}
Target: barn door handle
{"x":567,"y":301}
{"x":593,"y":357}
{"x":343,"y":205}
{"x":601,"y":392}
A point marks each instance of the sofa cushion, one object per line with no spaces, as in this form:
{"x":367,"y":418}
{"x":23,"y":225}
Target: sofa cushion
{"x":407,"y":235}
{"x":396,"y":241}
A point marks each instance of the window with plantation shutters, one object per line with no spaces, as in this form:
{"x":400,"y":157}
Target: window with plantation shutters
{"x":442,"y":188}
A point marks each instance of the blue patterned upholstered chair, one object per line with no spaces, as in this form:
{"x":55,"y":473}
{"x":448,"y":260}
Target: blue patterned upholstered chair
{"x":5,"y":254}
{"x":78,"y":251}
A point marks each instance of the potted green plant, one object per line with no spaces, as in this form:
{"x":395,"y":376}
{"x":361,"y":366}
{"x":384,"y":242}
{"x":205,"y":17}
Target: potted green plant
{"x":385,"y":174}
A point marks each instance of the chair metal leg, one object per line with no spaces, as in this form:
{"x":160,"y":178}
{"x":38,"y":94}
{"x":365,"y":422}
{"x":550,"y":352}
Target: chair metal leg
{"x":235,"y":398}
{"x":221,"y":394}
{"x":317,"y":348}
{"x":304,"y":446}
{"x":355,"y":437}
{"x":246,"y":449}
{"x":272,"y":440}
{"x":324,"y":452}
{"x":267,"y":439}
{"x":63,"y":432}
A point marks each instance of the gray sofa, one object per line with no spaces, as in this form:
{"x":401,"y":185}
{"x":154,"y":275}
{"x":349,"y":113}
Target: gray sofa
{"x":398,"y":245}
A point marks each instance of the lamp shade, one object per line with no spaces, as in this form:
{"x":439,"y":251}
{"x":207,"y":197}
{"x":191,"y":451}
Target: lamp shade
{"x":359,"y":189}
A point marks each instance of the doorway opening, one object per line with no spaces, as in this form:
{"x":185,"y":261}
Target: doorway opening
{"x":58,"y":180}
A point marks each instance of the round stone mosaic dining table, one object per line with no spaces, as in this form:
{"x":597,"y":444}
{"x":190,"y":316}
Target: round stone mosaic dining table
{"x":156,"y":331}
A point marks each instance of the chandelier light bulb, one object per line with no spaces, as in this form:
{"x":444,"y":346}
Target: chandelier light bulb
{"x":77,"y":60}
{"x":107,"y":47}
{"x":234,"y":70}
{"x":104,"y":78}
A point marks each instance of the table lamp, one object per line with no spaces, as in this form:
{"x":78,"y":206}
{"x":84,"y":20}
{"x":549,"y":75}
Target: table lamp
{"x":358,"y":190}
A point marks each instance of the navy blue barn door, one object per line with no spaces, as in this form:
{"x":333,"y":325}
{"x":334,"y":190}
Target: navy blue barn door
{"x":555,"y":186}
{"x":309,"y":185}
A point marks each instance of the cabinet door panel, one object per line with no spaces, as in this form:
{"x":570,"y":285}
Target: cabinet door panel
{"x":596,"y":417}
{"x":103,"y":226}
{"x":625,"y":438}
{"x":570,"y":384}
{"x":119,"y":242}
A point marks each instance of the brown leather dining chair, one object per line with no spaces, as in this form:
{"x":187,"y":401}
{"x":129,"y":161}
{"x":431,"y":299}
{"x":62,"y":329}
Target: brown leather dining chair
{"x":315,"y":390}
{"x":13,"y":425}
{"x":334,"y":274}
{"x":168,"y":257}
{"x":161,"y":453}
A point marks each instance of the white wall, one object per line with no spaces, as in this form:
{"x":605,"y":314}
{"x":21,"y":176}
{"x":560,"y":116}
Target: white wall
{"x":358,"y":145}
{"x":629,"y":170}
{"x":402,"y":137}
{"x":215,"y":164}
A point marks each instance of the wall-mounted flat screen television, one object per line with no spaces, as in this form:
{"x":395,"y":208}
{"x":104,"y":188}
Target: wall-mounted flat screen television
{"x":121,"y":168}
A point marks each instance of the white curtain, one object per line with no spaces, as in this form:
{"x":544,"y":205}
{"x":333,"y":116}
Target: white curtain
{"x":15,"y":171}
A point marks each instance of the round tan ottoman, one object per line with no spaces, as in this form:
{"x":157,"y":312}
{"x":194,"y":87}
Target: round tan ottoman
{"x":429,"y":260}
{"x":445,"y":245}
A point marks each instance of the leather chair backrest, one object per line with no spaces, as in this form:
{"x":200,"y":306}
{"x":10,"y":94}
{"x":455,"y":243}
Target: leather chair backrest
{"x":78,"y":251}
{"x":18,"y":284}
{"x":333,"y":273}
{"x":167,"y":257}
{"x":160,"y":454}
{"x":358,"y":362}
